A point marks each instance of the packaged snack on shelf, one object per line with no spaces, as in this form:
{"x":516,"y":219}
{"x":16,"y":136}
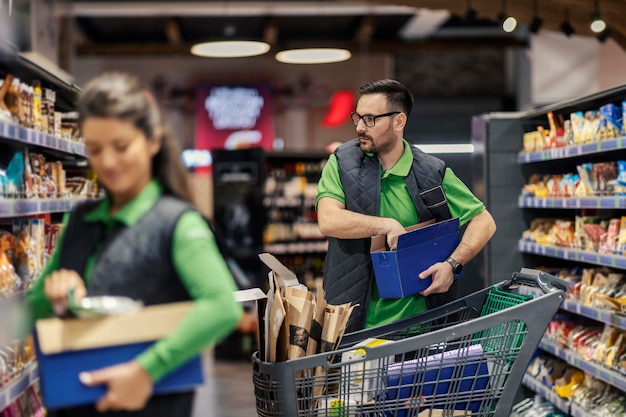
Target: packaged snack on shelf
{"x":603,"y":173}
{"x":614,"y":122}
{"x":588,"y":232}
{"x":585,"y":186}
{"x":38,"y":235}
{"x":25,"y":258}
{"x":608,"y":242}
{"x":591,"y":126}
{"x":13,"y":100}
{"x":578,"y":121}
{"x":5,"y":84}
{"x":621,"y":240}
{"x":533,"y":141}
{"x":15,"y":176}
{"x":37,"y":98}
{"x":556,"y":138}
{"x":47,"y":110}
{"x":34,"y":402}
{"x":562,"y":234}
{"x":69,"y":126}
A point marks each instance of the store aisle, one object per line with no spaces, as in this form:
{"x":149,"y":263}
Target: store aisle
{"x":228,"y":391}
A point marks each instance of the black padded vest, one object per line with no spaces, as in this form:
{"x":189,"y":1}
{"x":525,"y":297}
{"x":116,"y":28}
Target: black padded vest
{"x":348,"y":270}
{"x":134,"y":261}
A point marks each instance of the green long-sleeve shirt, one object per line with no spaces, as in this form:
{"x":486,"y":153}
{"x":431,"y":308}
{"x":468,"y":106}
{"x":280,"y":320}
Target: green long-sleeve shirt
{"x":199,"y":265}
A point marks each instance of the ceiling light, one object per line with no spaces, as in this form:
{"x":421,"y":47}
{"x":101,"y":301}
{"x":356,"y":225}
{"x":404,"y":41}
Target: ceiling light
{"x":597,"y":24}
{"x":313,"y":56}
{"x":509,"y":24}
{"x":230,"y":49}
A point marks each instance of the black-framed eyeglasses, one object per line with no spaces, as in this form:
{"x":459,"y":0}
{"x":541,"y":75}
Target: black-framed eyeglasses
{"x":369,"y":119}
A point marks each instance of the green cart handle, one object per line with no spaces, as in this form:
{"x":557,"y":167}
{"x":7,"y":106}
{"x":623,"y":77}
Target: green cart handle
{"x":533,"y":278}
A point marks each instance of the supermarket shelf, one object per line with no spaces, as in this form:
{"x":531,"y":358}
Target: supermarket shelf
{"x":13,"y":390}
{"x":613,"y":261}
{"x":297,"y":248}
{"x":12,"y":207}
{"x":578,"y":411}
{"x":594,"y":313}
{"x":572,"y":151}
{"x":32,"y":65}
{"x":610,"y":377}
{"x":12,"y":132}
{"x":546,"y":392}
{"x":617,"y":202}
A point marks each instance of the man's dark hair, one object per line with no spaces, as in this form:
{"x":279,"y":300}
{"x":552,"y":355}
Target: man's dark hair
{"x":398,"y":96}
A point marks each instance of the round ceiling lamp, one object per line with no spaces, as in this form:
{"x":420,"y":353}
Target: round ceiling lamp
{"x":313,"y":56}
{"x":230,"y":49}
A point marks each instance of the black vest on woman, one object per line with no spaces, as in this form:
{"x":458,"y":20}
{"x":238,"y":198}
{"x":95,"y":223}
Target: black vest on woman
{"x":133,"y":261}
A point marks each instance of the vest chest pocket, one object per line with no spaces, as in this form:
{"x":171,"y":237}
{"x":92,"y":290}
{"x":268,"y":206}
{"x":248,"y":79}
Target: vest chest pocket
{"x":434,"y":197}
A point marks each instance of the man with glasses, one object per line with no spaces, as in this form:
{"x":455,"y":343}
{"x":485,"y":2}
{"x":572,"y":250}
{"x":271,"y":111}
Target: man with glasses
{"x":378,"y":184}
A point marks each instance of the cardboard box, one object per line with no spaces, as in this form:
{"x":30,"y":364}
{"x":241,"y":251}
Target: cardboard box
{"x":397,"y":271}
{"x":65,"y":348}
{"x":439,"y":376}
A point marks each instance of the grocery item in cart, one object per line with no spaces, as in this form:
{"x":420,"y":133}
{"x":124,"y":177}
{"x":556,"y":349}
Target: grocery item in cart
{"x":439,"y":375}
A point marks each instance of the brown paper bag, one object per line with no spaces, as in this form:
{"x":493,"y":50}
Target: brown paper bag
{"x":276,"y":329}
{"x":317,"y":324}
{"x":299,"y":317}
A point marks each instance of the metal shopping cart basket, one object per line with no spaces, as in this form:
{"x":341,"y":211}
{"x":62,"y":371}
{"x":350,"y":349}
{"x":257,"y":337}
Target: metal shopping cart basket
{"x":465,"y":358}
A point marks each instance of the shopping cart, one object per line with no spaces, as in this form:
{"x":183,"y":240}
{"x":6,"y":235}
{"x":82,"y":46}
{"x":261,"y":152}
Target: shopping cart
{"x":465,"y":358}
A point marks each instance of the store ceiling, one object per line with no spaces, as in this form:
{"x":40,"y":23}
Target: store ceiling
{"x":170,"y":27}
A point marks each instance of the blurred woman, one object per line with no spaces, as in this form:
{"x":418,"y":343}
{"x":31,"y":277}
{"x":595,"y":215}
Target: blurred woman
{"x":145,"y":241}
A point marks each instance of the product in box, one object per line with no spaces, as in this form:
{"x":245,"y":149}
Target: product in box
{"x":397,"y":271}
{"x":65,"y":348}
{"x":364,"y":380}
{"x":437,"y":376}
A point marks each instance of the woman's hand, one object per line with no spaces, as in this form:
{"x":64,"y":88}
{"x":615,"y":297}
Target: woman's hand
{"x":129,"y":386}
{"x":58,"y":285}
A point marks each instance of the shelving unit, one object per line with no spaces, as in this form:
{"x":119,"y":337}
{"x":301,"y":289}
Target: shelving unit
{"x":291,"y":204}
{"x":601,"y":315}
{"x":10,"y":132}
{"x":569,"y":254}
{"x":497,"y":138}
{"x":572,"y":151}
{"x":28,"y":67}
{"x":617,"y":202}
{"x":610,"y":377}
{"x":31,"y":207}
{"x":546,"y":392}
{"x":12,"y":391}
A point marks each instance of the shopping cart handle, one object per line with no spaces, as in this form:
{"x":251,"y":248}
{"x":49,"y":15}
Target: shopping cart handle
{"x":534,"y":278}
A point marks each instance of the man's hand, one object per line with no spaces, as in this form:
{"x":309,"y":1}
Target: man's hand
{"x":129,"y":386}
{"x":442,"y":275}
{"x":394,"y":229}
{"x":58,"y":285}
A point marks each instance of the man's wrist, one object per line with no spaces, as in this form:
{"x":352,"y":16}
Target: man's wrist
{"x":456,"y":266}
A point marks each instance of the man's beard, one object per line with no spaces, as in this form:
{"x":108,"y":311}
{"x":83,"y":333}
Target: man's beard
{"x":384,"y":144}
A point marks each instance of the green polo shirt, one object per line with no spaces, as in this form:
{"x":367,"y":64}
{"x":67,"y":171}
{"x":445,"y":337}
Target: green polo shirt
{"x":396,"y":202}
{"x":201,"y":269}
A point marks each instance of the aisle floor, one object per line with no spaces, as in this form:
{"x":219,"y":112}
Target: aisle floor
{"x":228,"y":391}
